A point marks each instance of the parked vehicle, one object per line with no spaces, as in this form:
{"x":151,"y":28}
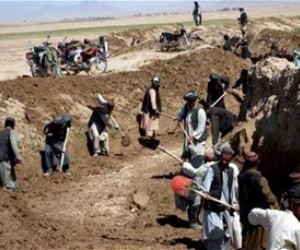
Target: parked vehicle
{"x":43,"y":61}
{"x":177,"y":40}
{"x":77,"y":57}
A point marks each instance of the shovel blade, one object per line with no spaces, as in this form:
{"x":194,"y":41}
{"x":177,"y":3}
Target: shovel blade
{"x":125,"y":141}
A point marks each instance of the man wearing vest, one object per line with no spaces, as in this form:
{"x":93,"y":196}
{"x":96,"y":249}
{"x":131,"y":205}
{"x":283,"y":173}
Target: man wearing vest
{"x":151,"y":109}
{"x":98,"y":124}
{"x":254,"y":192}
{"x":9,"y":154}
{"x":219,"y":183}
{"x":194,"y":118}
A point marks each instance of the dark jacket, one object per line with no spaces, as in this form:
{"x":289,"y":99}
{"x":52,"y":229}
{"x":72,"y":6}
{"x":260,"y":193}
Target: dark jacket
{"x":215,"y":90}
{"x":96,"y":118}
{"x":243,"y":18}
{"x":6,"y":152}
{"x":245,"y":82}
{"x":226,"y":118}
{"x":57,"y":129}
{"x":254,"y":192}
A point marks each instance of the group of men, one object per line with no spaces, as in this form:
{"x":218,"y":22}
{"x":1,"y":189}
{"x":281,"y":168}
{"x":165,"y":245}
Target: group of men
{"x":249,"y":223}
{"x":247,"y":192}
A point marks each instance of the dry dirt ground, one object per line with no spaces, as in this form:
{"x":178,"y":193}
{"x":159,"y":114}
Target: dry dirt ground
{"x":94,"y":208}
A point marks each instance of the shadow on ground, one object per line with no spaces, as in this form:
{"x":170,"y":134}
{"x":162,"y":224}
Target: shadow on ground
{"x":172,"y":220}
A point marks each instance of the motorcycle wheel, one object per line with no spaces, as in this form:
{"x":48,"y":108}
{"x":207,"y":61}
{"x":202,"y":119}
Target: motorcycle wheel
{"x":184,"y":45}
{"x":98,"y":67}
{"x":36,"y":70}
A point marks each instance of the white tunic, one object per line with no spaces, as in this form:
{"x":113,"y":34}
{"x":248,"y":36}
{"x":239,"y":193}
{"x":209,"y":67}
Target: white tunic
{"x":283,"y":228}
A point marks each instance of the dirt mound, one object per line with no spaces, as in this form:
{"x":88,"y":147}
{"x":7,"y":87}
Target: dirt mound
{"x":275,"y":105}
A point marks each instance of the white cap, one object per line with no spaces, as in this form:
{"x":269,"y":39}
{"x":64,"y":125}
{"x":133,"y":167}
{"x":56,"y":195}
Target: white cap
{"x":101,"y":99}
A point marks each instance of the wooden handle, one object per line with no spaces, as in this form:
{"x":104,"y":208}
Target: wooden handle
{"x":115,"y":122}
{"x":64,"y":150}
{"x":168,"y":116}
{"x":170,"y":154}
{"x":185,"y":133}
{"x":219,"y":99}
{"x":202,"y":194}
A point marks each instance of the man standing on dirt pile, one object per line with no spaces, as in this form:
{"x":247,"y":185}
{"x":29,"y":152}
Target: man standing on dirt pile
{"x":9,"y":154}
{"x":56,"y":134}
{"x":197,"y":14}
{"x":243,"y":20}
{"x":254,"y":192}
{"x":194,"y":118}
{"x":98,"y":124}
{"x":247,"y":88}
{"x":283,"y":226}
{"x":219,"y":183}
{"x":215,"y":89}
{"x":151,"y":109}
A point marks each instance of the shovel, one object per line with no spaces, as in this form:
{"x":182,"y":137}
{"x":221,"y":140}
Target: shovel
{"x":207,"y":196}
{"x":64,"y":150}
{"x":219,"y":99}
{"x":125,"y":141}
{"x":154,"y":144}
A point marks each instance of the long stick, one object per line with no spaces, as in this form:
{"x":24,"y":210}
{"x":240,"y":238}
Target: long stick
{"x":64,"y":150}
{"x":219,"y":99}
{"x":211,"y":198}
{"x":168,"y":116}
{"x":115,"y":122}
{"x":170,"y":154}
{"x":238,"y":92}
{"x":185,"y":133}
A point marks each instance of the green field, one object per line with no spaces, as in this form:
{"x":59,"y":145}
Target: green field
{"x":296,"y":31}
{"x":100,"y":30}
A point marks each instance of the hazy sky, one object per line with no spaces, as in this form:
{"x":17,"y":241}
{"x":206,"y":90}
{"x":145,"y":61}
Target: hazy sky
{"x":14,"y":11}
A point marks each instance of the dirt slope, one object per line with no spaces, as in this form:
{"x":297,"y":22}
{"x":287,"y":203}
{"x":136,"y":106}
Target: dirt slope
{"x":94,"y":208}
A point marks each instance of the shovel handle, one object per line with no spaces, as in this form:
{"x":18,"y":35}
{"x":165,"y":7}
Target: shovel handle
{"x":115,"y":122}
{"x":185,"y":133}
{"x":168,"y":116}
{"x":62,"y":159}
{"x":202,"y":194}
{"x":170,"y":154}
{"x":219,"y":99}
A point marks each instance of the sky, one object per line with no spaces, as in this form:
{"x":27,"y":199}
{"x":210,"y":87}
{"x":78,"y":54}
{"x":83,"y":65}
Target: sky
{"x":56,"y":10}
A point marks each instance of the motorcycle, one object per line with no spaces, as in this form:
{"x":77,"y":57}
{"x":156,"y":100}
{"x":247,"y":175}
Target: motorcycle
{"x":43,"y":61}
{"x":76,"y":57}
{"x":177,"y":40}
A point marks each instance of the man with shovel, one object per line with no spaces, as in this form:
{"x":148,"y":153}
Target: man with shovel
{"x":56,"y":154}
{"x":98,"y":126}
{"x":215,"y":90}
{"x":219,"y":184}
{"x":194,"y":118}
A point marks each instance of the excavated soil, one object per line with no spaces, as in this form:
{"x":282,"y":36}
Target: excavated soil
{"x":95,"y":208}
